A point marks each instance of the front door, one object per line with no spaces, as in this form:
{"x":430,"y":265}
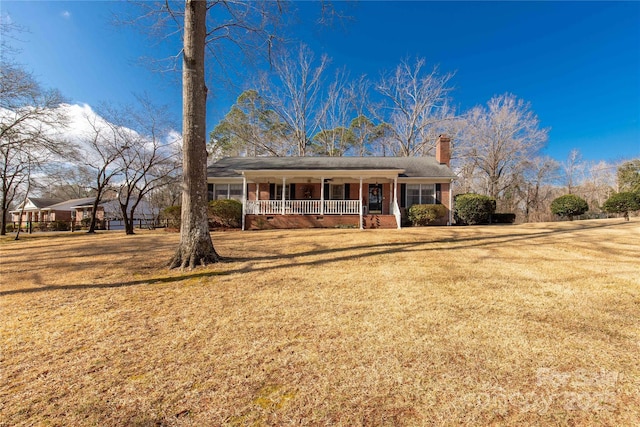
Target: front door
{"x":375,"y":198}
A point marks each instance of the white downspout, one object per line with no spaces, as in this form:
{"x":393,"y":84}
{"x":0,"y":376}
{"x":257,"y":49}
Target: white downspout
{"x":396,"y":206}
{"x":361,"y":205}
{"x":244,"y":200}
{"x":451,"y":202}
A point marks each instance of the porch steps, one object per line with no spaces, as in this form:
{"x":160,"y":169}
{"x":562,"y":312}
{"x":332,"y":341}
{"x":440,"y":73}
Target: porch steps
{"x":379,"y":221}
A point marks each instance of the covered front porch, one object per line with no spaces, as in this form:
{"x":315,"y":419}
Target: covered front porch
{"x":344,"y":198}
{"x":304,"y":207}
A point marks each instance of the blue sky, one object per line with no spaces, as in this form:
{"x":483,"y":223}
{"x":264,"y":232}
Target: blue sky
{"x":577,"y":63}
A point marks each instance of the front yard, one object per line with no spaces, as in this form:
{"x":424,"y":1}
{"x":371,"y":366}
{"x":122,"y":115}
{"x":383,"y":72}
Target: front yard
{"x":512,"y":325}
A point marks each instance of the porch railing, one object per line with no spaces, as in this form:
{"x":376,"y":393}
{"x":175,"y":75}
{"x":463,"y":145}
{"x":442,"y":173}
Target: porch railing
{"x":303,"y":207}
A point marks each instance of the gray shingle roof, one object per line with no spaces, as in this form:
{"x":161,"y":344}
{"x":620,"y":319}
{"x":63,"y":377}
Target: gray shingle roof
{"x":41,"y":202}
{"x":73,"y":203}
{"x":413,"y":167}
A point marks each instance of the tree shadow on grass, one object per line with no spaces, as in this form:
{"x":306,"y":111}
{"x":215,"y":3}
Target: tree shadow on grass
{"x":170,"y":279}
{"x":333,"y":255}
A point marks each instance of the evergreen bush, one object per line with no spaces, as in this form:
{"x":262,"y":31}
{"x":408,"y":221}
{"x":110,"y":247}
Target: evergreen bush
{"x":225,"y":213}
{"x":420,"y":215}
{"x":623,"y":203}
{"x":59,"y":226}
{"x":173,"y":216}
{"x":474,"y":209}
{"x":569,"y":206}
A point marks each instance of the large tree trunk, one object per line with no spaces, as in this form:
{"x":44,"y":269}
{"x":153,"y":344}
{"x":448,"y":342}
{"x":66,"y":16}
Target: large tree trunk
{"x":195,"y":246}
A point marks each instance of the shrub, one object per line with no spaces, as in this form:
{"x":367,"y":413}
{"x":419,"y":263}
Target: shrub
{"x":474,"y":209}
{"x":173,"y":216}
{"x":424,"y":214}
{"x":503,"y":218}
{"x":569,"y":206}
{"x":10,"y":228}
{"x":623,"y":203}
{"x":226,"y":213}
{"x":59,"y":226}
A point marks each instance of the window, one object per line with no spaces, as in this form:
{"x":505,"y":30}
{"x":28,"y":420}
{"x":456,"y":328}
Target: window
{"x":279,"y":192}
{"x":336,"y":192}
{"x":220,"y":191}
{"x":235,"y":192}
{"x":225,"y":191}
{"x":420,"y":194}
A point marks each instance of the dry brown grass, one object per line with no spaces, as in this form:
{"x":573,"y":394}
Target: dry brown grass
{"x":517,"y":325}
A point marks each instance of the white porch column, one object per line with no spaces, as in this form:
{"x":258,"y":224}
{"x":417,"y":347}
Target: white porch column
{"x":361,"y":207}
{"x":451,"y":202}
{"x":396,"y":205}
{"x":284,"y":193}
{"x":244,"y":199}
{"x":395,"y":192}
{"x":322,"y":196}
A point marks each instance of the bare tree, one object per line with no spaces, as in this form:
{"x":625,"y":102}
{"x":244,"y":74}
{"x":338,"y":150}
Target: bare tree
{"x":415,"y":104}
{"x":535,"y":187}
{"x":334,"y":137}
{"x":296,"y":94}
{"x":65,"y":182}
{"x":500,"y":138}
{"x":574,"y":169}
{"x":150,"y":160}
{"x":598,"y":184}
{"x":29,"y":131}
{"x":100,"y":150}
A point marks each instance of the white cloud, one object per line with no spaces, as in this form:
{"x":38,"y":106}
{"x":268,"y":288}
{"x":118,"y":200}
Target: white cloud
{"x":66,"y":14}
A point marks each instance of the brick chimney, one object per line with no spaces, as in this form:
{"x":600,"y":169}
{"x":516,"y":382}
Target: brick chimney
{"x":443,"y":150}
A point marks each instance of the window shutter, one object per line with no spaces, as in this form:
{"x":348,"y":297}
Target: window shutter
{"x":292,"y":192}
{"x":403,"y":195}
{"x":347,"y":191}
{"x":438,"y":193}
{"x":209,"y":192}
{"x":327,"y":196}
{"x":272,"y":191}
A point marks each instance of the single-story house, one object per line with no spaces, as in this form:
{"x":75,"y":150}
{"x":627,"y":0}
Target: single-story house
{"x":49,"y":210}
{"x":301,"y":192}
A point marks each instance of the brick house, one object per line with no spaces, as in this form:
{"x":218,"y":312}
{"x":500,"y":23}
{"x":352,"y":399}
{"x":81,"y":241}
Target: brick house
{"x":49,"y":210}
{"x":305,"y":192}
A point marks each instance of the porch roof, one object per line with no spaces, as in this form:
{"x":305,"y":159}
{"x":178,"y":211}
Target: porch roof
{"x":404,"y":167}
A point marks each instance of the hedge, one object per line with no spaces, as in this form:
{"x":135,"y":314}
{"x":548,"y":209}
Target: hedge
{"x":225,"y":213}
{"x":503,"y":218}
{"x":420,"y":215}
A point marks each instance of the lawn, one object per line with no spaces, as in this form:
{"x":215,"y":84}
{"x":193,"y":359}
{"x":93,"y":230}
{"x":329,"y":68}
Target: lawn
{"x":533,"y":324}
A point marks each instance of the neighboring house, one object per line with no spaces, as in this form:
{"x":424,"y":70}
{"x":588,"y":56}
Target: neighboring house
{"x":34,"y":210}
{"x":49,"y":210}
{"x":302,"y":192}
